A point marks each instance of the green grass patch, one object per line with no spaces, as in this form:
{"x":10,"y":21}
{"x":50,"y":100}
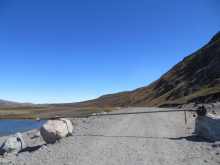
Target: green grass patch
{"x":69,"y":134}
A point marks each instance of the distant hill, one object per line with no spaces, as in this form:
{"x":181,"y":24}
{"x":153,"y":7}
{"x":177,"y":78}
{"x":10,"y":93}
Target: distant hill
{"x":4,"y":103}
{"x":195,"y":78}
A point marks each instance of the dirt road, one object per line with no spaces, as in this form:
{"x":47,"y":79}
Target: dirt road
{"x":142,"y":139}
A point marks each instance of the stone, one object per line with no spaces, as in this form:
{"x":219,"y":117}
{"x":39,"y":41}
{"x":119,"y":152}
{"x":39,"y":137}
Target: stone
{"x":216,"y":144}
{"x":37,"y":133}
{"x":208,"y":127}
{"x":54,"y":130}
{"x":13,"y":144}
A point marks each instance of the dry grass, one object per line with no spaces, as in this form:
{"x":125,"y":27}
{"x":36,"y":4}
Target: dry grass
{"x":191,"y":78}
{"x":13,"y":112}
{"x":48,"y":111}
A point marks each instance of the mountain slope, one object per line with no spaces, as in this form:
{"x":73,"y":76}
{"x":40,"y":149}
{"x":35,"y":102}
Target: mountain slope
{"x":196,"y":76}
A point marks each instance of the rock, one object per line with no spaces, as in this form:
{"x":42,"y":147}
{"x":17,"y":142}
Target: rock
{"x":208,"y":127}
{"x":206,"y":160}
{"x":216,"y":144}
{"x":13,"y":144}
{"x":54,"y":130}
{"x":37,"y":133}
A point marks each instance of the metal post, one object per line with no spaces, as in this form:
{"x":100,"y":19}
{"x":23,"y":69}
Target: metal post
{"x":185,"y":117}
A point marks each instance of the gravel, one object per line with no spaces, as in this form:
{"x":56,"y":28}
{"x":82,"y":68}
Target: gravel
{"x":161,"y":138}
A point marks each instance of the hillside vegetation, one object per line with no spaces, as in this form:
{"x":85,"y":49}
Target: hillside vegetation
{"x":194,"y":79}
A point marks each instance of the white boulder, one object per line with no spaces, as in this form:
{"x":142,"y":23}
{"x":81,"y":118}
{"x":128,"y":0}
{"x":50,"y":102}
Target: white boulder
{"x":208,"y":127}
{"x":13,"y":144}
{"x":54,"y":130}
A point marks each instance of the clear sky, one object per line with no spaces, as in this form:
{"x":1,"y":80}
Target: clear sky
{"x":58,"y":51}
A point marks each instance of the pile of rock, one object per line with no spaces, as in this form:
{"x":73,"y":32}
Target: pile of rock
{"x":51,"y":131}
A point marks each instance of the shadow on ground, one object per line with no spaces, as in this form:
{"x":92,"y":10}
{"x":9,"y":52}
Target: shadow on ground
{"x":30,"y":149}
{"x":192,"y":138}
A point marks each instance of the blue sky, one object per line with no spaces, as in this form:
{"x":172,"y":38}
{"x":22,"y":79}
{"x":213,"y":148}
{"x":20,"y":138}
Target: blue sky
{"x":55,"y":51}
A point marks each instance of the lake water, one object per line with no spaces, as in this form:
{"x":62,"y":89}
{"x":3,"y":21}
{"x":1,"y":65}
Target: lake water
{"x":8,"y":127}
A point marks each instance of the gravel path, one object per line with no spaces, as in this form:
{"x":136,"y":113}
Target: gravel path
{"x":141,"y":139}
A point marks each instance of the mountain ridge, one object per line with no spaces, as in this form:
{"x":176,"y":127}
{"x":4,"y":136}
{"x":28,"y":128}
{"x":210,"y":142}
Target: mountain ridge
{"x":196,"y":76}
{"x":194,"y":79}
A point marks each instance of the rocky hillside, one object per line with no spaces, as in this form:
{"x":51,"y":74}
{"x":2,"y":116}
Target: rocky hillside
{"x":195,"y":78}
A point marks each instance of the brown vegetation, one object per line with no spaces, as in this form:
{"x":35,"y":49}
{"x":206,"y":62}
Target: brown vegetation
{"x":195,"y":78}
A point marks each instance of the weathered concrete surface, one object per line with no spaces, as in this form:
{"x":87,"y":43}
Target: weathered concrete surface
{"x":208,"y":127}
